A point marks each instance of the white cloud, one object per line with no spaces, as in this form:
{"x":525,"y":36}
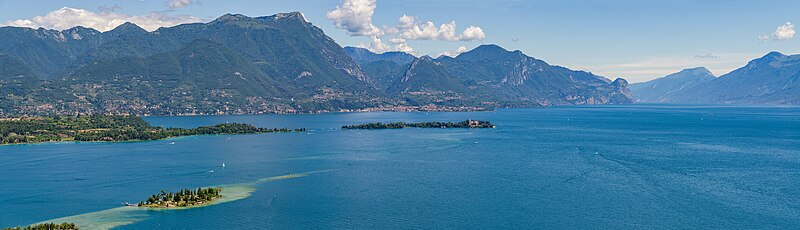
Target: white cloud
{"x":66,"y":18}
{"x":397,"y":40}
{"x":410,"y":28}
{"x":175,"y":4}
{"x":783,"y":33}
{"x":355,"y":16}
{"x":403,"y":47}
{"x":455,"y":53}
{"x":377,"y":46}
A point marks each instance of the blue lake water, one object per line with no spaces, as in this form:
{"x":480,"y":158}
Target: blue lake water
{"x":639,"y":166}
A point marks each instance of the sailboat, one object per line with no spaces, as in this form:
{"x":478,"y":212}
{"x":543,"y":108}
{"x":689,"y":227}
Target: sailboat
{"x":223,"y":165}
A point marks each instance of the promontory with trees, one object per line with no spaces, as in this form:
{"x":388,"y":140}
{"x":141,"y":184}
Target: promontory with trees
{"x":183,"y":198}
{"x":107,"y":128}
{"x":472,"y":124}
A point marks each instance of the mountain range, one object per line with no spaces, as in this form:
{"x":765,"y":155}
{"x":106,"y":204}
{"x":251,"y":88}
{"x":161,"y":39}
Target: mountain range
{"x":491,"y":75}
{"x":771,"y":79}
{"x":273,"y":64}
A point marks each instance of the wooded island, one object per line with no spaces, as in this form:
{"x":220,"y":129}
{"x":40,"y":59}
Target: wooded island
{"x":107,"y":128}
{"x":471,"y":124}
{"x":183,"y":198}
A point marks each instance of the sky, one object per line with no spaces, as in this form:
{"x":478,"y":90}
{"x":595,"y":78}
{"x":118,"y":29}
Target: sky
{"x":637,"y":40}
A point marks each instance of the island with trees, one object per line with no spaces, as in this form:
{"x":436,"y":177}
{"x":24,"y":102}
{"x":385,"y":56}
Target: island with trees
{"x":107,"y":128}
{"x":46,"y":226}
{"x":182,"y":198}
{"x":471,"y":124}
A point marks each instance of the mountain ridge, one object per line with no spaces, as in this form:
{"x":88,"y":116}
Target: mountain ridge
{"x":491,"y":74}
{"x":269,"y":64}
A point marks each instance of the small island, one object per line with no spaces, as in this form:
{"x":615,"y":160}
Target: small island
{"x":107,"y":128}
{"x":48,"y":226}
{"x":470,"y":124}
{"x":183,"y":198}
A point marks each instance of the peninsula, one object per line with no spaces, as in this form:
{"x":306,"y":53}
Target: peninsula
{"x":470,"y":124}
{"x":107,"y":128}
{"x":183,"y":198}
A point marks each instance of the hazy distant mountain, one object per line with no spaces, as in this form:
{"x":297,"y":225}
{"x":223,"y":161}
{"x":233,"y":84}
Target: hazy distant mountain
{"x":771,"y":79}
{"x":663,"y":89}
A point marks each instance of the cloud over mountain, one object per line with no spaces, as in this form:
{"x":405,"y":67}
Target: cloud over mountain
{"x":355,"y":16}
{"x":67,"y":17}
{"x":410,"y":28}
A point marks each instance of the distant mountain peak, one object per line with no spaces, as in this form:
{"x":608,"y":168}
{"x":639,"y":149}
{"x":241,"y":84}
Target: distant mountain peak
{"x":288,"y":16}
{"x":773,"y":59}
{"x":127,"y":28}
{"x":774,"y":54}
{"x":489,"y":48}
{"x":620,"y":82}
{"x":692,"y":72}
{"x":489,"y":51}
{"x":231,"y":17}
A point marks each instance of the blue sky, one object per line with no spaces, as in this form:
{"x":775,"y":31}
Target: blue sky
{"x":634,"y":39}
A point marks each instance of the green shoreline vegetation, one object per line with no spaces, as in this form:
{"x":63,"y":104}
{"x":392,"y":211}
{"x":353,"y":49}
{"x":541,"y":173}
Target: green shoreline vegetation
{"x":47,"y":226}
{"x":107,"y":128}
{"x":183,"y":198}
{"x":471,"y":124}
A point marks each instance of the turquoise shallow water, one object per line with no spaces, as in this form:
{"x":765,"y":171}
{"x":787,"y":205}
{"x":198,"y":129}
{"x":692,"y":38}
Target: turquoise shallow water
{"x":641,"y":166}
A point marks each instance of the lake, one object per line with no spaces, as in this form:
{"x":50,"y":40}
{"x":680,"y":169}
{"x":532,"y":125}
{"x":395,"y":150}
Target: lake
{"x":621,"y":167}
